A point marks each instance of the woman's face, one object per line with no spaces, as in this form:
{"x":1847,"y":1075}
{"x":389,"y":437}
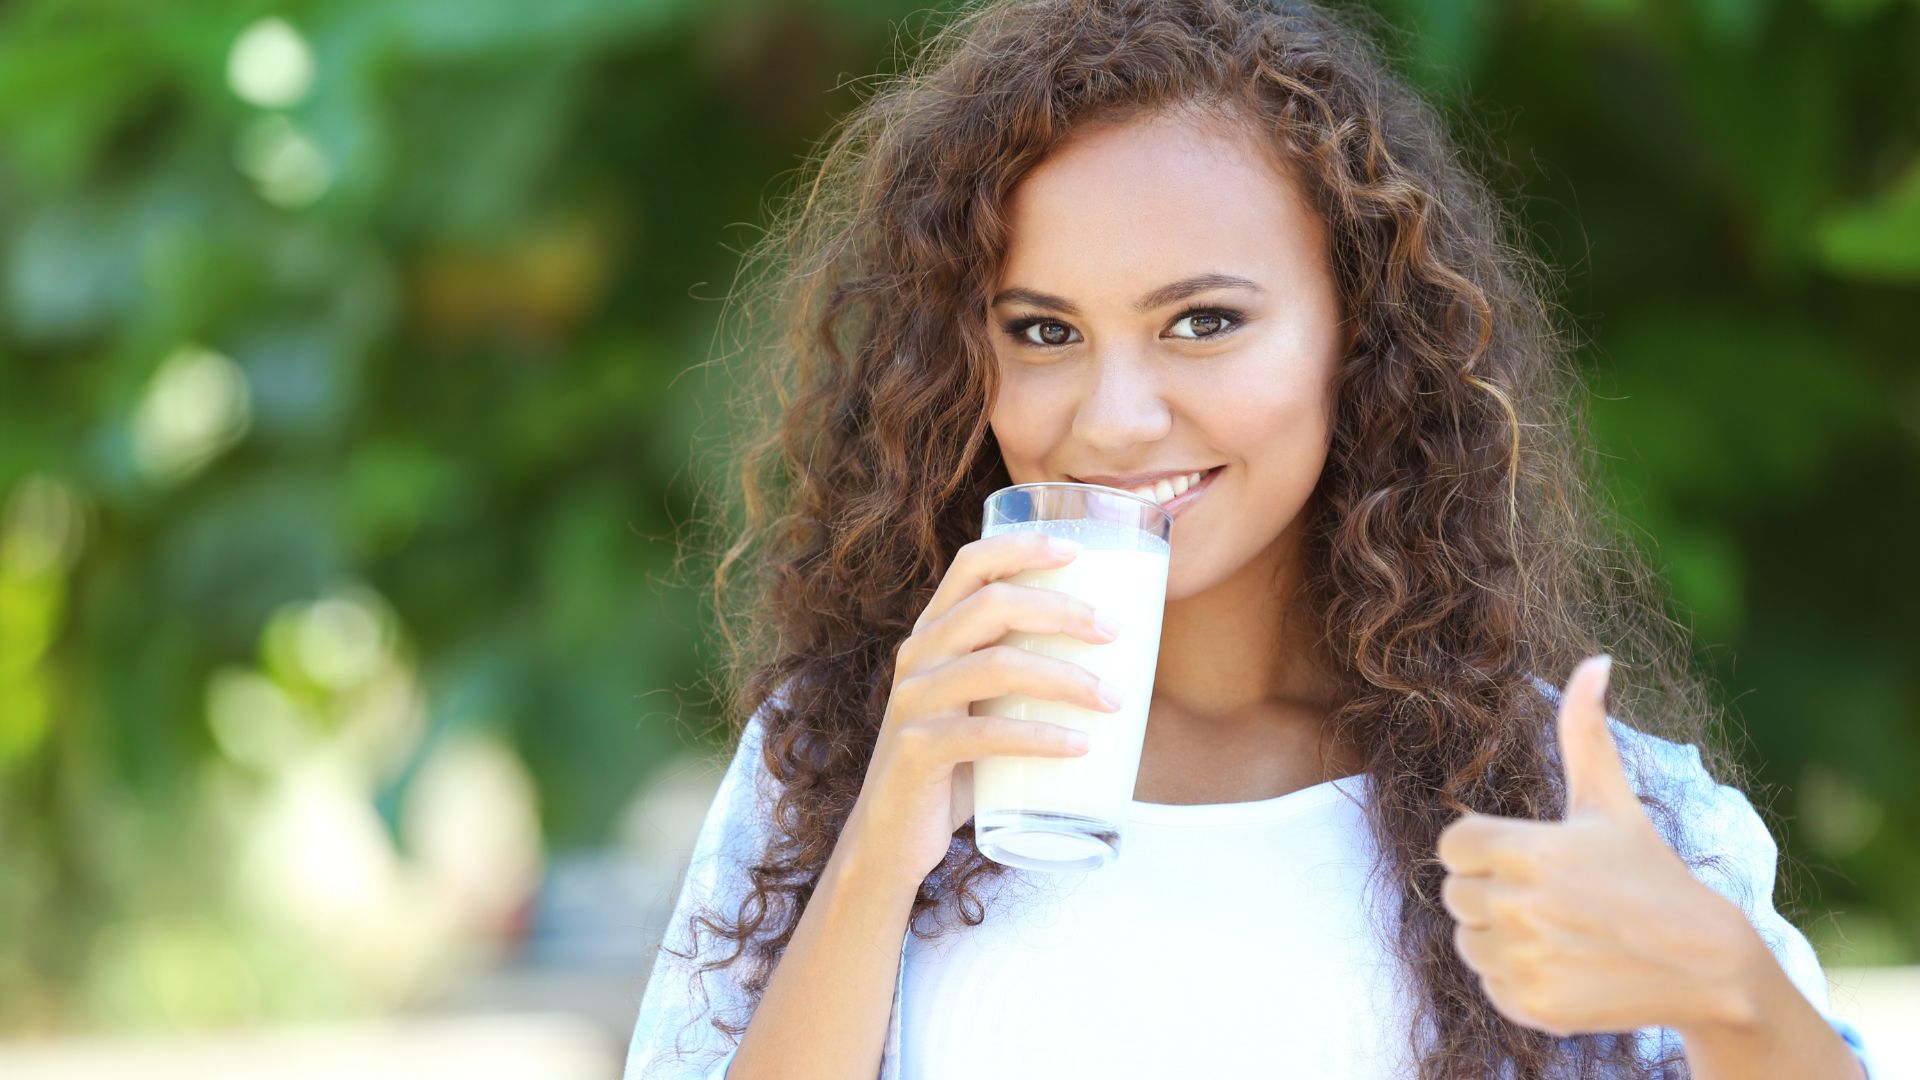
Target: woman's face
{"x":1107,"y":369}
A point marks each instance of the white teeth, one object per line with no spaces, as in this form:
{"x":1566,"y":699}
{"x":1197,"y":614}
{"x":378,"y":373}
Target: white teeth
{"x":1164,"y":491}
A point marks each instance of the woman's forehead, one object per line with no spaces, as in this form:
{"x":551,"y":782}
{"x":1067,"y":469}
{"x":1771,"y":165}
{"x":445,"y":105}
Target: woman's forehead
{"x":1155,"y":199}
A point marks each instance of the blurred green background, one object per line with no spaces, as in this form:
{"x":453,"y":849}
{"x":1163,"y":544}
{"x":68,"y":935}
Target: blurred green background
{"x":347,"y":424}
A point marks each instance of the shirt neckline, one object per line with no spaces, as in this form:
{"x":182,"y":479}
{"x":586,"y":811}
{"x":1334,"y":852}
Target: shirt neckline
{"x":1236,"y":813}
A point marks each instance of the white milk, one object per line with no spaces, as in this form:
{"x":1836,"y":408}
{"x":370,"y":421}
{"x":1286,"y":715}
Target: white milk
{"x":1130,"y":586}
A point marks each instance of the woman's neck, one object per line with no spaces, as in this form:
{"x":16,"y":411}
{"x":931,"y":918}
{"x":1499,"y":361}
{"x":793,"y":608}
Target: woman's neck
{"x":1243,"y":645}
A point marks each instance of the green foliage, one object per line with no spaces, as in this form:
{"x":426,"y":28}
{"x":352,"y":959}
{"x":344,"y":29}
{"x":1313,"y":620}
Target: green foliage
{"x":340,"y":357}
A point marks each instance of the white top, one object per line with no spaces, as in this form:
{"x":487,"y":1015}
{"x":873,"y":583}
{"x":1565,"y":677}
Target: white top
{"x":1228,"y":917}
{"x":1186,"y":956}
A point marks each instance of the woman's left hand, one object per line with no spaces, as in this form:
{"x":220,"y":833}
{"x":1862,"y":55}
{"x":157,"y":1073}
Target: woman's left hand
{"x":1592,"y":923}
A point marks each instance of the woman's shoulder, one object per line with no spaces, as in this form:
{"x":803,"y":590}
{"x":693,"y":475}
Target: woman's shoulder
{"x":736,"y":824}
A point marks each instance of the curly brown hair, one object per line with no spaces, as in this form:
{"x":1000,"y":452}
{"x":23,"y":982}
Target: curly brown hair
{"x":1459,"y":542}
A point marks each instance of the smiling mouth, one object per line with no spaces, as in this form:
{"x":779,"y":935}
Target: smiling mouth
{"x":1179,"y":503}
{"x":1165,"y":492}
{"x":1173,"y":492}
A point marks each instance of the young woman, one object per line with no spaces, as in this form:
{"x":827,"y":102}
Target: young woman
{"x":1121,"y":240}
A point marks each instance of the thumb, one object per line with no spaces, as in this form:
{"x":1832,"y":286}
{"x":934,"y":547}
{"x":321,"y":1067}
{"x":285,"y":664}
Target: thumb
{"x":1596,"y":778}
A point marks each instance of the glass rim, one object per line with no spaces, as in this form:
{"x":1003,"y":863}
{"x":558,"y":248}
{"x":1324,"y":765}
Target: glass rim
{"x":1122,"y":492}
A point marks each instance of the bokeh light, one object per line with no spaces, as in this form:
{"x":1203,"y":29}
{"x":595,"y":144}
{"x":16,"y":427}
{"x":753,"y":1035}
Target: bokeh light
{"x":195,"y":406}
{"x":271,"y":65}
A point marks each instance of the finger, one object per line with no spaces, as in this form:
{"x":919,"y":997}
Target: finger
{"x":1477,"y":845}
{"x":1505,"y":994}
{"x":1000,"y":606}
{"x":990,"y":559}
{"x":1465,"y":898}
{"x":1596,"y":778}
{"x":998,"y":670}
{"x":939,"y":743}
{"x":1480,"y":949}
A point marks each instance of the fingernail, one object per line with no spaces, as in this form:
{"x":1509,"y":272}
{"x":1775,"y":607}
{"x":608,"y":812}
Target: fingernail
{"x":1063,"y":546}
{"x":1605,"y":664}
{"x":1110,"y":694}
{"x":1078,"y":740}
{"x":1106,"y":625}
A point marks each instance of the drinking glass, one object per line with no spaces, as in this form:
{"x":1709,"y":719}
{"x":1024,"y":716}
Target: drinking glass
{"x":1068,"y":813}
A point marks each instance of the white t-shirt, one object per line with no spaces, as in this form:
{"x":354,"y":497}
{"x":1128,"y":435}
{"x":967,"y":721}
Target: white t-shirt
{"x":1251,"y":918}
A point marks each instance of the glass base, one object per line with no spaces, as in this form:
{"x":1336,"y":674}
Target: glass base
{"x":1037,"y":840}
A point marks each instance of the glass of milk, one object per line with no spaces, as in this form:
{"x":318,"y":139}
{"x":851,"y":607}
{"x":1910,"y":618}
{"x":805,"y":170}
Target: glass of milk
{"x":1067,"y":813}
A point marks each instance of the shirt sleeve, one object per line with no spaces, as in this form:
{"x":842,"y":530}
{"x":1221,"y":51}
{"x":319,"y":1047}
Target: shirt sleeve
{"x":673,"y":1037}
{"x":1725,"y":824}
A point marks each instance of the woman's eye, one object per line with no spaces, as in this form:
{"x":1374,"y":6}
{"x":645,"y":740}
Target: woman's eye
{"x":1206,"y":324}
{"x":1051,"y":333}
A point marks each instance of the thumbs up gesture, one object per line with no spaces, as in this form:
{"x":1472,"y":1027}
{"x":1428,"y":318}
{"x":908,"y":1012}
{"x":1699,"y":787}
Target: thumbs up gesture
{"x":1591,"y":923}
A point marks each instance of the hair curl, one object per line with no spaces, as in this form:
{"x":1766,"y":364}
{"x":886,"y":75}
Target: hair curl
{"x":1458,"y":541}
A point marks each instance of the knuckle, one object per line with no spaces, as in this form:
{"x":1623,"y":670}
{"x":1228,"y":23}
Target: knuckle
{"x":1009,"y":598}
{"x":1514,"y":912}
{"x":971,"y":728}
{"x":1028,"y":669}
{"x":992,"y":598}
{"x":907,"y":693}
{"x":999,"y":657}
{"x":1505,"y":909}
{"x":1005,"y":667}
{"x":913,"y":739}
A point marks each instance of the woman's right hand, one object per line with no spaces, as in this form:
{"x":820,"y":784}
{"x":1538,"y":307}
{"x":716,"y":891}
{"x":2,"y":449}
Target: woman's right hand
{"x":918,"y":789}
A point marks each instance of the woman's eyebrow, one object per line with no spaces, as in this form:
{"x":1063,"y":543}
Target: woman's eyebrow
{"x":1160,"y":297}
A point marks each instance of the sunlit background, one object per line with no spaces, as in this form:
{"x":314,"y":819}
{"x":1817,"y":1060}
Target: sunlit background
{"x":352,"y":705}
